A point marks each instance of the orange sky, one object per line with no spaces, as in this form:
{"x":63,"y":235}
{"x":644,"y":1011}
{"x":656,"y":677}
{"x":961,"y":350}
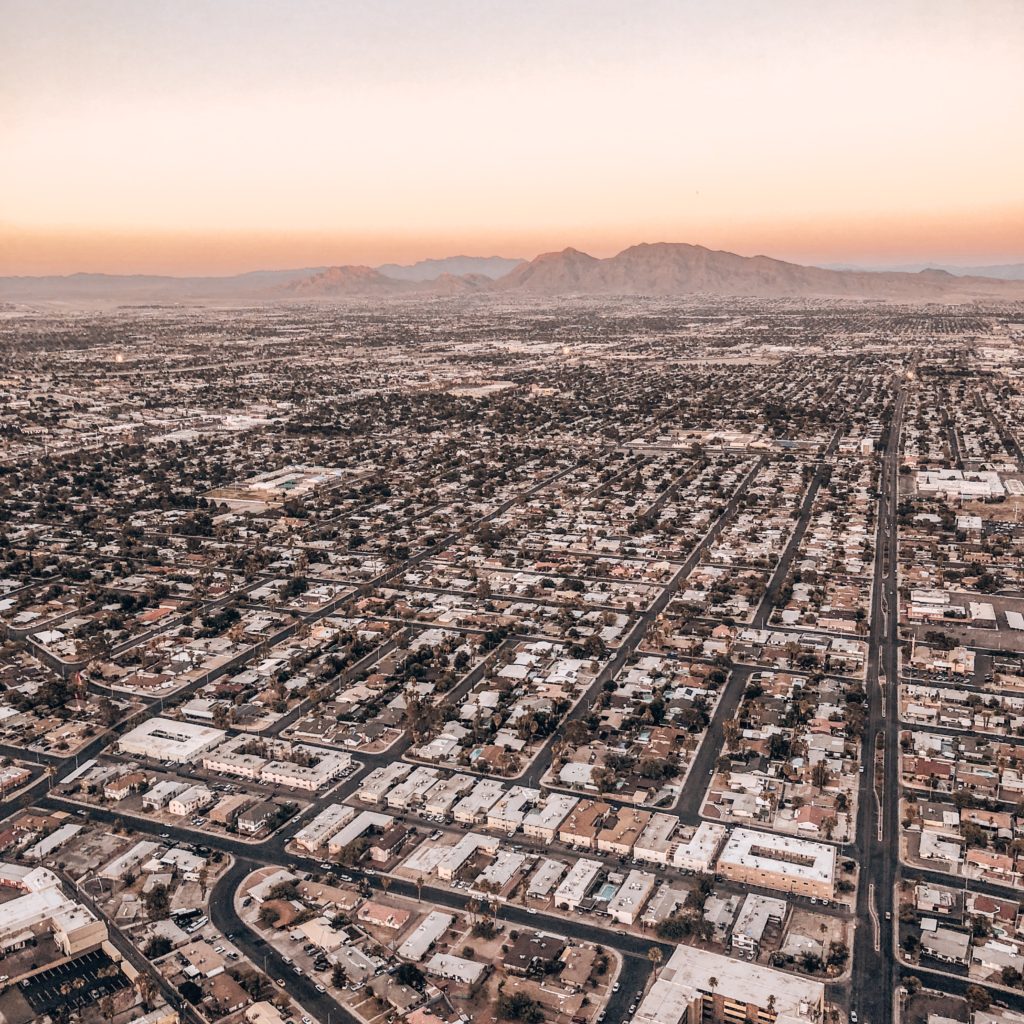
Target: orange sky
{"x":230,"y":135}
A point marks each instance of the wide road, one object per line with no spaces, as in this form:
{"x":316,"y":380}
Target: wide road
{"x":875,"y":972}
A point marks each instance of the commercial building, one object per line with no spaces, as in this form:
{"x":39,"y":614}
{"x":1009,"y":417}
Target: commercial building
{"x":42,"y":908}
{"x":682,"y":994}
{"x":165,"y":740}
{"x":779,"y":862}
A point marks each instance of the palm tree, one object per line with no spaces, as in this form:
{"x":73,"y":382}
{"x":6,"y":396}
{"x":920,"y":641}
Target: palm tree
{"x":419,"y":887}
{"x":655,"y":955}
{"x":712,"y":984}
{"x":146,"y":987}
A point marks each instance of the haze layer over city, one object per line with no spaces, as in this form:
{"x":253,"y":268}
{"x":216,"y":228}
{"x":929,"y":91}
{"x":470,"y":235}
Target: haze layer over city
{"x":511,"y":513}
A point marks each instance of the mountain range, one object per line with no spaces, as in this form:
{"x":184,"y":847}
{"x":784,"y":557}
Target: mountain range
{"x":1002,"y":271}
{"x":661,"y":269}
{"x":428,"y":270}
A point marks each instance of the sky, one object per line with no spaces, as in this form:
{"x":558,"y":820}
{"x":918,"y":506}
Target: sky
{"x":217,"y":136}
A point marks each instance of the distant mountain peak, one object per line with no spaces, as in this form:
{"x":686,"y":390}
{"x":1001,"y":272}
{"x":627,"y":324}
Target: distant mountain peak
{"x":681,"y":268}
{"x":490,"y":267}
{"x":663,"y":269}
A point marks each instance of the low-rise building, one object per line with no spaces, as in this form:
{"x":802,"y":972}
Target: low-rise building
{"x":410,"y":792}
{"x":698,"y":853}
{"x":575,"y":886}
{"x":160,"y":795}
{"x":193,"y":799}
{"x":316,"y":771}
{"x":473,"y":807}
{"x":581,"y":827}
{"x":742,"y":992}
{"x":43,"y":907}
{"x":754,"y":917}
{"x":129,"y":860}
{"x":427,"y":932}
{"x":544,"y":820}
{"x":455,"y":968}
{"x":124,"y":785}
{"x":621,"y":831}
{"x":654,"y":844}
{"x":356,"y":828}
{"x":508,"y":813}
{"x":256,"y":818}
{"x":380,"y":780}
{"x":327,"y":823}
{"x":456,"y":856}
{"x":440,"y":798}
{"x":545,"y":878}
{"x":947,"y":945}
{"x":779,"y":862}
{"x":383,"y":915}
{"x":165,"y":740}
{"x":628,"y":903}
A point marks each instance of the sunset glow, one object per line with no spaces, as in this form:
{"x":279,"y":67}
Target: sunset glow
{"x":226,"y":136}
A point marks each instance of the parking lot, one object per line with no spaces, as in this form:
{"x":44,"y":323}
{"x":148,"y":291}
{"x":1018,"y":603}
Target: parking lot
{"x":75,"y":984}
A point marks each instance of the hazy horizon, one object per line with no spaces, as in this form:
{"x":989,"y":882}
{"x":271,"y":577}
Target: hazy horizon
{"x":216,"y":138}
{"x":874,"y":267}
